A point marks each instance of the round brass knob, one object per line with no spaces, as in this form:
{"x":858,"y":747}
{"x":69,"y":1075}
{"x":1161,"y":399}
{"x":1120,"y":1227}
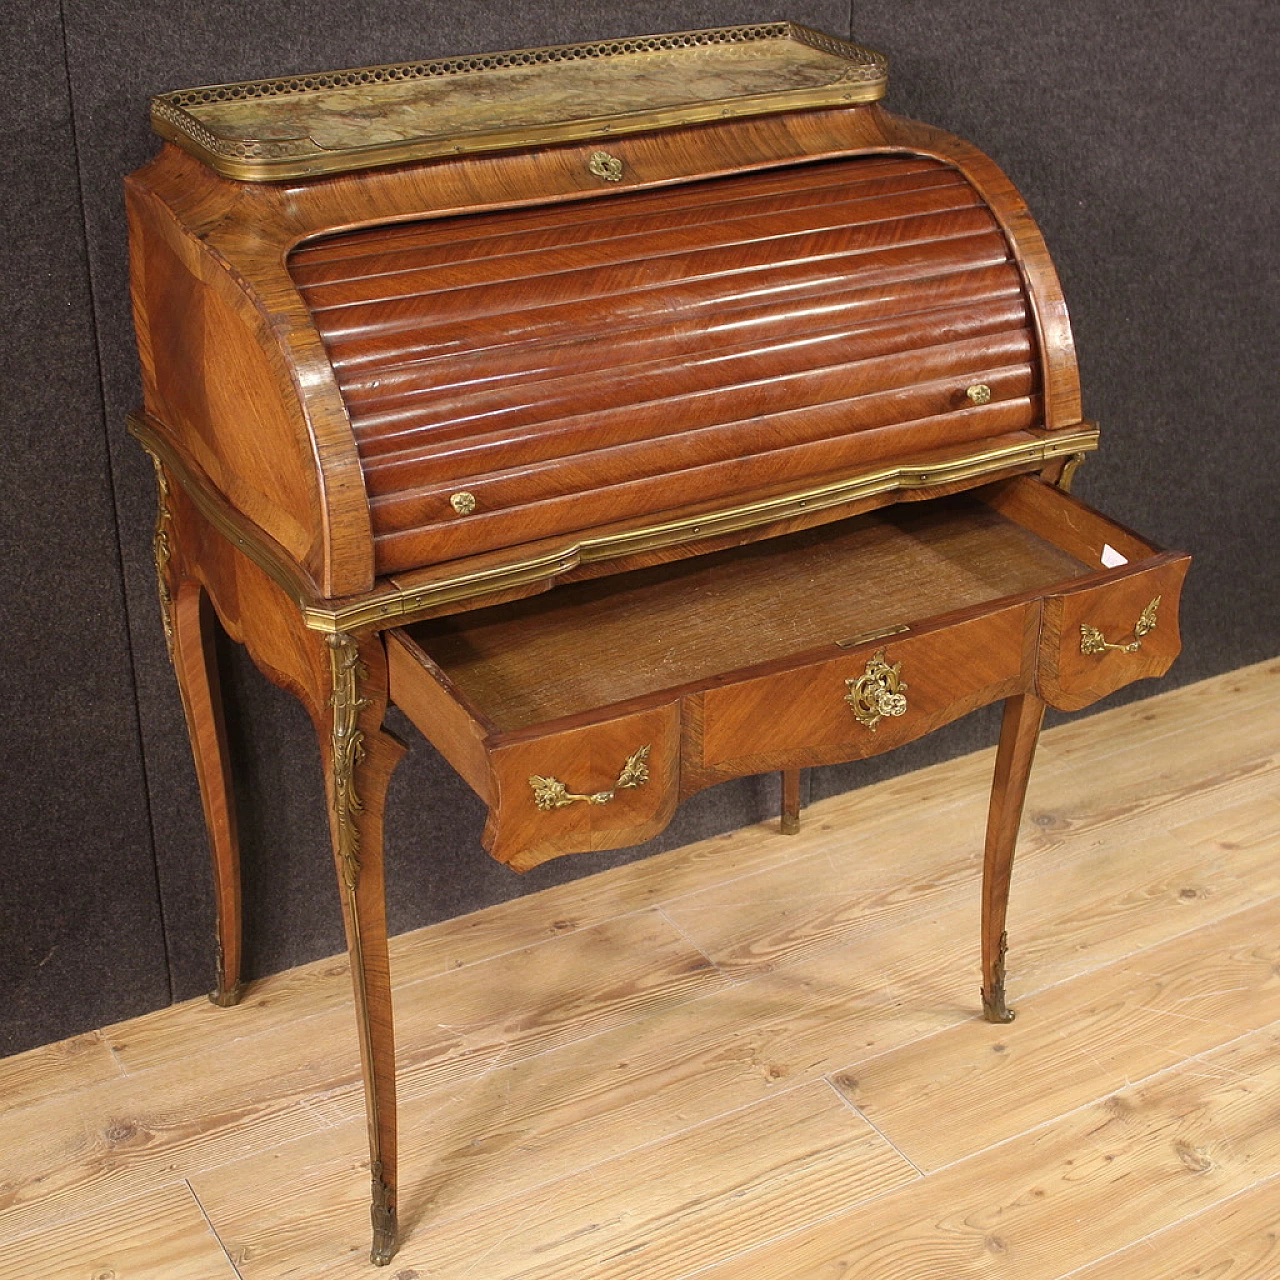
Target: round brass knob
{"x":979,"y":393}
{"x":463,"y":503}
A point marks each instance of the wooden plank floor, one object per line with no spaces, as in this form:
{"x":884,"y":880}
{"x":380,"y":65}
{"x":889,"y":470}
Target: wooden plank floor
{"x":757,"y":1058}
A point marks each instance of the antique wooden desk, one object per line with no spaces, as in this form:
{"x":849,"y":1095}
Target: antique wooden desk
{"x":571,"y":399}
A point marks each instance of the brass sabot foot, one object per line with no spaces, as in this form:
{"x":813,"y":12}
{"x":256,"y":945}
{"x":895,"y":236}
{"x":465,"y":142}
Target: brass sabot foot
{"x":994,"y":1008}
{"x":384,"y":1248}
{"x":790,"y":825}
{"x":224,"y":998}
{"x":382,"y":1213}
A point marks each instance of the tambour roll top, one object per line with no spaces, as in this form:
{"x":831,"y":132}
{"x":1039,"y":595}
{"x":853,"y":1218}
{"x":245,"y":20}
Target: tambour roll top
{"x":575,"y":364}
{"x":491,"y":347}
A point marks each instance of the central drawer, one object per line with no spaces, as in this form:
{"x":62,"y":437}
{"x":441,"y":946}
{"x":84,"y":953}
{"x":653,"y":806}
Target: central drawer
{"x":582,"y":716}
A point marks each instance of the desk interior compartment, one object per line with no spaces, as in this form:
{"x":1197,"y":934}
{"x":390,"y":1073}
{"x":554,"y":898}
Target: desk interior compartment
{"x":740,"y":661}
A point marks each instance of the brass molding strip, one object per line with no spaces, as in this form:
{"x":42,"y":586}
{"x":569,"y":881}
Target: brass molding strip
{"x":162,"y":553}
{"x":393,"y":605}
{"x":865,"y":637}
{"x":267,"y":130}
{"x":240,"y":531}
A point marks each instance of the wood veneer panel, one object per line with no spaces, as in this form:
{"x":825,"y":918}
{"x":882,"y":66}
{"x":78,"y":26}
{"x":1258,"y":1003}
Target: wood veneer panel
{"x":595,"y":643}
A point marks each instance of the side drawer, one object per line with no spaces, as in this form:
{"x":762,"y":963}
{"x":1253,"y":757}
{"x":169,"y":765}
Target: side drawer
{"x":1110,"y":631}
{"x":600,"y":783}
{"x":833,"y":711}
{"x":595,"y":786}
{"x":1116,"y":622}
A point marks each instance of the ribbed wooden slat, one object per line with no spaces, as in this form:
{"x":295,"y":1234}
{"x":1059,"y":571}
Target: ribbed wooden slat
{"x":576,"y":364}
{"x":426,"y":423}
{"x":736,"y":476}
{"x":515,"y":257}
{"x":345,"y":248}
{"x":393,"y":398}
{"x":323,"y":281}
{"x":749,"y":418}
{"x":592,"y":273}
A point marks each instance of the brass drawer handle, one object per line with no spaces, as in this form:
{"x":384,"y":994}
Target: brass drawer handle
{"x":1093,"y":641}
{"x":551,"y":793}
{"x":979,"y":393}
{"x":605,"y":166}
{"x":878,"y":692}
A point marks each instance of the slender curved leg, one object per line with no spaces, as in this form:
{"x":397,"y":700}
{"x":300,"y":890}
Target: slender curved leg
{"x":195,"y":664}
{"x":359,"y":758}
{"x":188,"y":628}
{"x":790,"y":802}
{"x":1019,"y":733}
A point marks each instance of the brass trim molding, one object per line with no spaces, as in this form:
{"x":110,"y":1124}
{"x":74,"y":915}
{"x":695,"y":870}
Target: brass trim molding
{"x":162,"y":551}
{"x":391,"y":606}
{"x":382,"y":1213}
{"x":865,"y":637}
{"x":268,"y":130}
{"x":347,"y":671}
{"x":1069,"y":469}
{"x":347,"y":744}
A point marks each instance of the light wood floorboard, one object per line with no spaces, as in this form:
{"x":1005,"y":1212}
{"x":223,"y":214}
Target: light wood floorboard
{"x":756,"y":1057}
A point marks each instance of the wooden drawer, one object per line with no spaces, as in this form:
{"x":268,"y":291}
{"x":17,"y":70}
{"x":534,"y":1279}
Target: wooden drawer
{"x":1117,"y":624}
{"x":833,"y":710}
{"x":594,"y":786}
{"x":582,"y":783}
{"x":1106,"y":634}
{"x":582,"y":716}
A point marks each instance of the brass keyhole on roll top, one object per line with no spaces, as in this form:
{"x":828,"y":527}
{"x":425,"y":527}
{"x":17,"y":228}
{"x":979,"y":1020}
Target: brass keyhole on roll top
{"x":605,"y":166}
{"x":979,"y":393}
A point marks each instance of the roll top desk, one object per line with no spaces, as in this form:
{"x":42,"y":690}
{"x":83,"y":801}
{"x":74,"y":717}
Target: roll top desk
{"x":634,"y":416}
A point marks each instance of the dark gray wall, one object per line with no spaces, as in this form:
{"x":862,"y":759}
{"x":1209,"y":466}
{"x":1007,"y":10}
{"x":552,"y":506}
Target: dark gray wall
{"x":1143,"y":144}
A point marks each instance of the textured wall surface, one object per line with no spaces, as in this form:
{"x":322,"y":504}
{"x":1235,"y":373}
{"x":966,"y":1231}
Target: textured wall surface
{"x":1144,"y":148}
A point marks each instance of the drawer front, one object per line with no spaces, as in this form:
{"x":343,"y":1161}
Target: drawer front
{"x":885,"y":693}
{"x":1102,"y":635}
{"x":597,"y":786}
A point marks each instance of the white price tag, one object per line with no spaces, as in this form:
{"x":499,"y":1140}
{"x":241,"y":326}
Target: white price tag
{"x":1111,"y":558}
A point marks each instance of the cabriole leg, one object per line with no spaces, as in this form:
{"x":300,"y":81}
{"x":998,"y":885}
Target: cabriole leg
{"x":360,"y":757}
{"x":195,"y":662}
{"x":189,"y":632}
{"x":1019,"y":732}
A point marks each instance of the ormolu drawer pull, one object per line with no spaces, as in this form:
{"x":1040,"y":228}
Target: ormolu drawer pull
{"x":979,"y":393}
{"x":1093,"y":641}
{"x":551,"y":793}
{"x":878,"y":692}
